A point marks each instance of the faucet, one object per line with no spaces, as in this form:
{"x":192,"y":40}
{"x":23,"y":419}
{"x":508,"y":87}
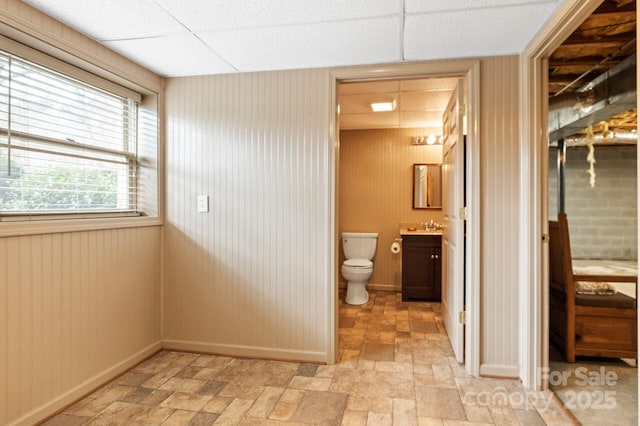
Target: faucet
{"x":431,"y":226}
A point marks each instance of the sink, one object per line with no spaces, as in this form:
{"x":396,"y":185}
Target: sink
{"x":417,"y":231}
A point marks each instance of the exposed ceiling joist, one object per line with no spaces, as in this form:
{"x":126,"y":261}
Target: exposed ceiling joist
{"x":605,"y":41}
{"x":581,"y":62}
{"x":613,"y":92}
{"x":619,"y":9}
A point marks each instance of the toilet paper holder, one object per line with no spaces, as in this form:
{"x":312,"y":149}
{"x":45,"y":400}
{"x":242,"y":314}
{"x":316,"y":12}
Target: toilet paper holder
{"x":396,"y":246}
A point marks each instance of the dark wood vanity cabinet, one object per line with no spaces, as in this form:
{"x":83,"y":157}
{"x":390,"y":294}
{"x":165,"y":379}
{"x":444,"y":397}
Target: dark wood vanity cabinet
{"x":421,"y":267}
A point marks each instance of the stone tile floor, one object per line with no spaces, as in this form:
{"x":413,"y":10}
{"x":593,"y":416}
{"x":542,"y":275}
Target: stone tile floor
{"x":395,"y":368}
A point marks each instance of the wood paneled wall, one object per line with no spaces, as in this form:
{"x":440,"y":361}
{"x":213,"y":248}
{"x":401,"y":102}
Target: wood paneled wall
{"x":249,"y":277}
{"x":376,"y":192}
{"x":499,"y":164}
{"x":76,"y":309}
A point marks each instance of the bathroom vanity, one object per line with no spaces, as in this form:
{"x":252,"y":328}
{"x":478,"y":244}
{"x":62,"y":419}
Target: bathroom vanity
{"x":421,"y":265}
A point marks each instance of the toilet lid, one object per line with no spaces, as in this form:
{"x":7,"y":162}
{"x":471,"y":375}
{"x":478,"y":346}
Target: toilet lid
{"x":358,"y":263}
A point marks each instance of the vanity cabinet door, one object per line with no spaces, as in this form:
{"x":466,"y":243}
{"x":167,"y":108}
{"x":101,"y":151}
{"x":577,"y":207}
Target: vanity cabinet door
{"x":421,"y":267}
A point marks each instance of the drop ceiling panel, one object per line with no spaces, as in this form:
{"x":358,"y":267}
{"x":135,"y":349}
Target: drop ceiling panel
{"x":173,"y":56}
{"x":431,"y":84}
{"x":432,"y":119}
{"x":415,"y":106}
{"x":199,"y":15}
{"x":425,"y":101}
{"x":309,"y":45}
{"x":257,"y":35}
{"x":430,"y":36}
{"x":378,"y":120}
{"x":113,"y":19}
{"x":421,"y":6}
{"x":358,"y":104}
{"x":369,"y":87}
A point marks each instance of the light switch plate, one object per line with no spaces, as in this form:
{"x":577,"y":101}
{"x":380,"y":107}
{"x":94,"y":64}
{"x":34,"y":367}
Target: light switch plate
{"x":203,"y":203}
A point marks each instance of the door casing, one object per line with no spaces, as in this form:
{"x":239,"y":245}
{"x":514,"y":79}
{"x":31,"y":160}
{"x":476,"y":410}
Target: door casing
{"x":470,"y":70}
{"x":533,"y":300}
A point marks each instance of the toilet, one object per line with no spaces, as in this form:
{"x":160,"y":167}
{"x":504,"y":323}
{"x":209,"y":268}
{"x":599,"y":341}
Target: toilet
{"x":359,"y":251}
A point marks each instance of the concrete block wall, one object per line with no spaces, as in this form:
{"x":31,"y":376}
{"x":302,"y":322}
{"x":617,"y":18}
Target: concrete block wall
{"x":602,"y":220}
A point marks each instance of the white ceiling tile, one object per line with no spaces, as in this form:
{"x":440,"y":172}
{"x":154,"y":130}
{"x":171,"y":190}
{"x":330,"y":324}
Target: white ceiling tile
{"x":430,"y":84}
{"x":425,"y":101}
{"x":310,"y":45}
{"x":383,"y":86}
{"x":379,"y":120}
{"x":257,"y":35}
{"x":361,"y":103}
{"x":432,"y":119}
{"x":429,"y":36}
{"x":428,"y":6}
{"x":199,"y":15}
{"x":172,"y":56}
{"x":111,"y":19}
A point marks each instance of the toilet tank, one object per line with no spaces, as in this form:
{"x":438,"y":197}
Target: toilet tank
{"x":359,"y":245}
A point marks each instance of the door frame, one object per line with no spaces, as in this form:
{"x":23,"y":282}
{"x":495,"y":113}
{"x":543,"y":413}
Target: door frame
{"x":533,"y":261}
{"x":470,"y":70}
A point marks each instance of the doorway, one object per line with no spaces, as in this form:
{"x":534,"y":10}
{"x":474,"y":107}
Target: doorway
{"x":534,"y":252}
{"x":595,"y":132}
{"x":468,"y":70}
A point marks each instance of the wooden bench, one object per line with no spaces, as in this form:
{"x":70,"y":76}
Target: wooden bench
{"x":587,"y":324}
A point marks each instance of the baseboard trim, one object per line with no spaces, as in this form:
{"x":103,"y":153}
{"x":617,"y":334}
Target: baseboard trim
{"x":376,"y":287}
{"x":503,"y":371}
{"x":245,"y":351}
{"x":52,"y":407}
{"x":384,"y":287}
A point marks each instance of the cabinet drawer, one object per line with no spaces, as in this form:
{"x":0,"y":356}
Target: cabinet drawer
{"x":421,"y":240}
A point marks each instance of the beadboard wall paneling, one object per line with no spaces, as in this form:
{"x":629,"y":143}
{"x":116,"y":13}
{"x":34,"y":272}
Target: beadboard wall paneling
{"x":376,"y":192}
{"x":76,"y":309}
{"x":249,"y":277}
{"x":499,"y":154}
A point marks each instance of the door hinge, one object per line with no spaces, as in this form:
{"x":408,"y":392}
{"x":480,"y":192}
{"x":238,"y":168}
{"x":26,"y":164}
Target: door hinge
{"x":463,"y":110}
{"x":545,"y":238}
{"x":462,"y":317}
{"x":463,"y":213}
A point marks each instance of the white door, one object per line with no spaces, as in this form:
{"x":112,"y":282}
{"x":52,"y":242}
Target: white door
{"x":453,"y":231}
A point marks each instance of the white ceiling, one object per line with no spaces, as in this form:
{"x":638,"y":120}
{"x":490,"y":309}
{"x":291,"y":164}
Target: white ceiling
{"x":419,"y":103}
{"x":195,"y":37}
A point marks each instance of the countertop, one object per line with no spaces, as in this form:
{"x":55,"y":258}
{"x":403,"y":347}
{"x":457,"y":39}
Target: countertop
{"x":416,"y":231}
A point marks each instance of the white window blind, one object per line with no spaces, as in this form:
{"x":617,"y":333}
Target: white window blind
{"x":65,"y":146}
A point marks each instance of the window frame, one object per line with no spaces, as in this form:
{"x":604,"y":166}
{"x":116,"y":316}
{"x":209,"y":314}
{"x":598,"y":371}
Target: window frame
{"x":89,"y":73}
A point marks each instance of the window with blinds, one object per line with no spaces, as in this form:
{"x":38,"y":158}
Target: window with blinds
{"x":65,"y":146}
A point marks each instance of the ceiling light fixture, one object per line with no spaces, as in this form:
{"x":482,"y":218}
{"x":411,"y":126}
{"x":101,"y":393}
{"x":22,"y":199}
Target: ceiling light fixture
{"x":426,"y":140}
{"x":383,"y":106}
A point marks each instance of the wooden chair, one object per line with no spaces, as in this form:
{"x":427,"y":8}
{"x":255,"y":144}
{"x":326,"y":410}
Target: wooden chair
{"x":587,"y":325}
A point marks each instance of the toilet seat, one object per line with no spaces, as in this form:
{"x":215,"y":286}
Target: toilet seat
{"x":358,"y":263}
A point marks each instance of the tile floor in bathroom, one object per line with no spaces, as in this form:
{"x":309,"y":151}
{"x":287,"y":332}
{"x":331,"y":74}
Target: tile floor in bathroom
{"x":395,"y":367}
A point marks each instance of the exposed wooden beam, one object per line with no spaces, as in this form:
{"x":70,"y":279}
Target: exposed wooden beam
{"x":612,"y":41}
{"x":609,"y":8}
{"x":585,"y":61}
